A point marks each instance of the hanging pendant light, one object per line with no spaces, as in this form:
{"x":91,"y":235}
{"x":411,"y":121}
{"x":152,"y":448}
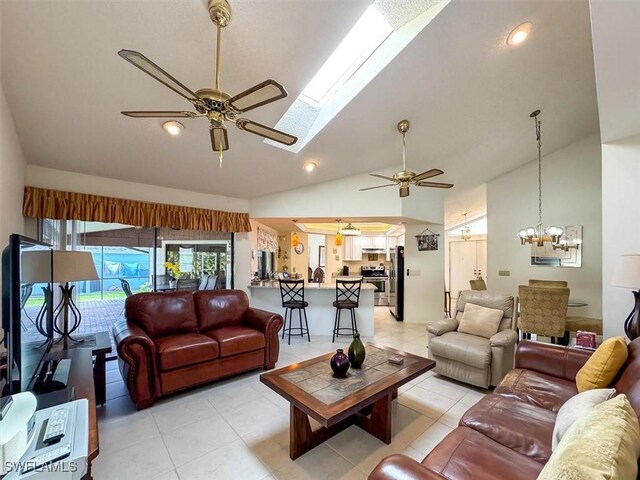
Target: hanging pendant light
{"x":350,"y":231}
{"x":295,"y":241}
{"x":465,"y":233}
{"x":539,"y":235}
{"x":338,"y":240}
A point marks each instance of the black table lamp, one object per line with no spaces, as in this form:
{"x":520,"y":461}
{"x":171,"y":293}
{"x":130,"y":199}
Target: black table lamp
{"x":627,"y":275}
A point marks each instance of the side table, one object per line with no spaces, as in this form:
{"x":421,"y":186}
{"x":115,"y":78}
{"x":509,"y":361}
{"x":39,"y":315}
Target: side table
{"x":99,"y":344}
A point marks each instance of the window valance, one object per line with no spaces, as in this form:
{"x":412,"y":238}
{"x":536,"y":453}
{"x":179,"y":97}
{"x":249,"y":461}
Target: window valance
{"x":58,"y":205}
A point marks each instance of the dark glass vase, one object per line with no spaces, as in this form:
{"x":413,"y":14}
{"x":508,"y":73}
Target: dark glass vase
{"x":340,"y":363}
{"x":356,"y":352}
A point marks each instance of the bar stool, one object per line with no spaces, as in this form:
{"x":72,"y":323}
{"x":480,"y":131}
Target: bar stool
{"x":347,"y":298}
{"x":292,"y":295}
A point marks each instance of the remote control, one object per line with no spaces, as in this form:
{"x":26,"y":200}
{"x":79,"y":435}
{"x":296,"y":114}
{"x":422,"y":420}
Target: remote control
{"x":56,"y":426}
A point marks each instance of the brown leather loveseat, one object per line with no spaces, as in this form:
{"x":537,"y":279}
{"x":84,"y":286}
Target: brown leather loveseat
{"x":507,"y":435}
{"x":171,"y":341}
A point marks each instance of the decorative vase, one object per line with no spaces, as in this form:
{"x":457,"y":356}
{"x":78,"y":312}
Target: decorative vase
{"x":357,"y":353}
{"x":339,"y":363}
{"x":173,"y":283}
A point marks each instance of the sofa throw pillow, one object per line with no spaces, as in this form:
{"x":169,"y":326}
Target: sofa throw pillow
{"x":603,"y":366}
{"x":602,"y":445}
{"x":480,"y":321}
{"x":576,"y":408}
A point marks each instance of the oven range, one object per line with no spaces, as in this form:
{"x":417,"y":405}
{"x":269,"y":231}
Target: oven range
{"x":377,"y":276}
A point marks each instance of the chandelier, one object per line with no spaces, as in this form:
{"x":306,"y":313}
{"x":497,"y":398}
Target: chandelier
{"x":465,"y":233}
{"x":539,"y":235}
{"x":350,"y":231}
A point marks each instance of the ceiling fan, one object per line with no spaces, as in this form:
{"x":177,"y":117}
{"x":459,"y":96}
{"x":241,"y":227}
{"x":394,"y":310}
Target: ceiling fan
{"x":406,"y":177}
{"x":213,"y":103}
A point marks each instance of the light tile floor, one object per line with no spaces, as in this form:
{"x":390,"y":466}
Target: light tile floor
{"x":238,"y":429}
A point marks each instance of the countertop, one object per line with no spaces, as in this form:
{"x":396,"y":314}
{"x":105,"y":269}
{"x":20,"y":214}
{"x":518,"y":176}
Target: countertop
{"x":310,"y":286}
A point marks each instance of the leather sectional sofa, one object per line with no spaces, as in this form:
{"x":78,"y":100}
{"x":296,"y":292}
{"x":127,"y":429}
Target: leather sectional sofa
{"x":507,"y":435}
{"x":171,"y":341}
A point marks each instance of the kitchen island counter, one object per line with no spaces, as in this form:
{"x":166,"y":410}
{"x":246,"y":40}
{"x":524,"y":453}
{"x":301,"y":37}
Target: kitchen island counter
{"x":320,"y":312}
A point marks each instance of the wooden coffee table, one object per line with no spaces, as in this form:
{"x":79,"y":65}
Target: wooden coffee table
{"x":363,"y":398}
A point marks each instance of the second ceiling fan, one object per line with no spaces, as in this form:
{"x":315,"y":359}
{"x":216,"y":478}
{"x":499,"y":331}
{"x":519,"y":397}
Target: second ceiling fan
{"x":218,"y":106}
{"x":406,"y":177}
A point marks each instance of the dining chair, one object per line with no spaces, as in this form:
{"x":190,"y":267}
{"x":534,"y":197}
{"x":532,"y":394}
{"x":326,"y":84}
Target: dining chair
{"x":548,"y":283}
{"x":478,"y":284}
{"x":543,"y":311}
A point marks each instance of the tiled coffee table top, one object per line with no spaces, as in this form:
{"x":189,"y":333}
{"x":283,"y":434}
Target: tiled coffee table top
{"x":317,"y":379}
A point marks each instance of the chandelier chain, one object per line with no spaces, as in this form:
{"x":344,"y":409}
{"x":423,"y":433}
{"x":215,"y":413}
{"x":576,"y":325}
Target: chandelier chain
{"x":404,"y":153}
{"x":539,"y":140}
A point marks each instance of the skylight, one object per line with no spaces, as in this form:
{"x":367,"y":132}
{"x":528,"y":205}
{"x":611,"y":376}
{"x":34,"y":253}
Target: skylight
{"x":385,"y":28}
{"x":370,"y":31}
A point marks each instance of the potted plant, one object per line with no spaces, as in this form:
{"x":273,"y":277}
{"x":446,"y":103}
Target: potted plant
{"x":173,"y":270}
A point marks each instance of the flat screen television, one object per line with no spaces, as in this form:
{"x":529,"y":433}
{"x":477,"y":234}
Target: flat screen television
{"x":27,"y":309}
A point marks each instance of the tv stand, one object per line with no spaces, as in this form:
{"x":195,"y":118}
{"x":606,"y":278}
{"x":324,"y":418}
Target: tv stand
{"x":53,"y":375}
{"x":79,"y":385}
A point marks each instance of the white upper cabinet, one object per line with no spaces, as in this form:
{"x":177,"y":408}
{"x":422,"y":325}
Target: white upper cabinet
{"x":352,"y":248}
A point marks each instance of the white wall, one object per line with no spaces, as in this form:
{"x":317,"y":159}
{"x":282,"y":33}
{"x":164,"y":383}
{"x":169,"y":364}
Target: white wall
{"x":77,"y":182}
{"x":424,"y":293}
{"x":620,"y":225}
{"x":12,"y":175}
{"x":571,"y":195}
{"x":315,"y":242}
{"x":342,"y":199}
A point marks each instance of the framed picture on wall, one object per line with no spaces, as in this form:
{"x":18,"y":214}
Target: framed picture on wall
{"x":322,"y":253}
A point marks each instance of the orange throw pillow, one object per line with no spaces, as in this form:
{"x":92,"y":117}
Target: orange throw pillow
{"x":603,"y":366}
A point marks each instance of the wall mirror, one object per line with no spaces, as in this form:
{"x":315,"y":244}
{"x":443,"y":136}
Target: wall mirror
{"x":567,"y":253}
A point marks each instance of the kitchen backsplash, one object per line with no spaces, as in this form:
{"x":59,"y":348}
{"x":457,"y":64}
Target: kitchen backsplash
{"x":354,"y":267}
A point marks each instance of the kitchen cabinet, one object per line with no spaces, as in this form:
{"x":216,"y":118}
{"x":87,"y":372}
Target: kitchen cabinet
{"x":378,"y":242}
{"x":352,"y":249}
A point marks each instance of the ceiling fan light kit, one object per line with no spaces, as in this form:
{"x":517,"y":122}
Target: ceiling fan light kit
{"x":405,"y":178}
{"x":218,"y":106}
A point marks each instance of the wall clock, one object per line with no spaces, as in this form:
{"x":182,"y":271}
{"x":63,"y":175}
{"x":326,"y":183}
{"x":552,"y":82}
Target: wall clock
{"x":299,"y":249}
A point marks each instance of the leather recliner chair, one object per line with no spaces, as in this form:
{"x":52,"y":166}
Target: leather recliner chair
{"x":171,"y":341}
{"x":468,"y":358}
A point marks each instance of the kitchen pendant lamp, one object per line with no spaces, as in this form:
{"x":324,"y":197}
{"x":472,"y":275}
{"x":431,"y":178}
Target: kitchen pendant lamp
{"x":338,"y":240}
{"x":295,"y":241}
{"x":350,"y":231}
{"x":539,"y":235}
{"x":465,"y":233}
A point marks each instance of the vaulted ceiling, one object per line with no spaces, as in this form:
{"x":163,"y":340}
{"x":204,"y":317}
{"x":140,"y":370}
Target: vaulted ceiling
{"x":467,"y":94}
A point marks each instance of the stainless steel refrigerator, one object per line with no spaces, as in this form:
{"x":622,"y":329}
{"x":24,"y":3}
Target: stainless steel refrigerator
{"x":396,"y":281}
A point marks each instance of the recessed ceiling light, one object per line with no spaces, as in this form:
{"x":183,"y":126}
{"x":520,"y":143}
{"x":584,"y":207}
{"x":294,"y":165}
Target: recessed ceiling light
{"x":173,"y":127}
{"x":310,"y":166}
{"x":519,"y":34}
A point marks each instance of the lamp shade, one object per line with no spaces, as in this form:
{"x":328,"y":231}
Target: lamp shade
{"x":627,"y":272}
{"x":35,"y":266}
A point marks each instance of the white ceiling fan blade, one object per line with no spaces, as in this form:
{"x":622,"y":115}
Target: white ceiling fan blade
{"x":435,"y":184}
{"x":434,"y":172}
{"x":379,"y":186}
{"x":147,"y":66}
{"x":161,"y":114}
{"x":382,"y":176}
{"x":261,"y":94}
{"x":264,"y":131}
{"x":219,"y":139}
